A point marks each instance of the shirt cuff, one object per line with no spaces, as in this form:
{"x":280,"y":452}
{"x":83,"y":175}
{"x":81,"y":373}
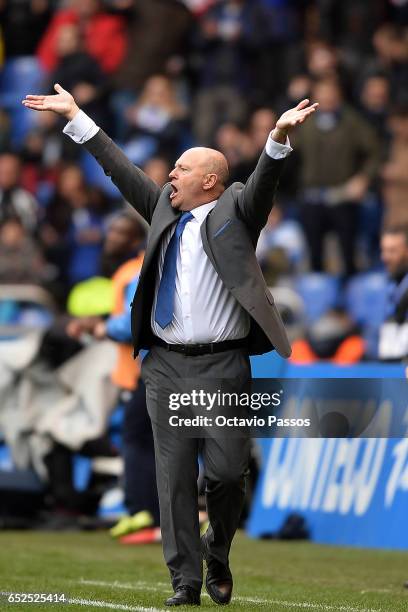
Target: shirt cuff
{"x":276,"y":150}
{"x":81,"y":128}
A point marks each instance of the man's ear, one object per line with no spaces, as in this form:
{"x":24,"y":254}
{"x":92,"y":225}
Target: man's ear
{"x":209,"y":181}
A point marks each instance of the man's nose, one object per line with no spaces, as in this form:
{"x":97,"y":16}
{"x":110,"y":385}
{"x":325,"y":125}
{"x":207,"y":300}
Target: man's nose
{"x":172,"y":174}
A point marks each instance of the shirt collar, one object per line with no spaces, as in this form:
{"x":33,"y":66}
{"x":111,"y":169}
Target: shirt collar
{"x":200,"y":212}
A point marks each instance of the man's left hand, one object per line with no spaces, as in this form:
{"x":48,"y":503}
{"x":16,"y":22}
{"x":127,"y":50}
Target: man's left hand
{"x":291,"y":118}
{"x":100,"y":330}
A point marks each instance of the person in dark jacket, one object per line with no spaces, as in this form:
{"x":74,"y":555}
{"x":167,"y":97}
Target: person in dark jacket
{"x":393,"y":344}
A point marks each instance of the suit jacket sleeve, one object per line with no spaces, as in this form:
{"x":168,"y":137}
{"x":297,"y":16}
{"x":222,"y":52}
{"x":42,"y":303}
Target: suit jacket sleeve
{"x":135,"y":186}
{"x":257,"y":197}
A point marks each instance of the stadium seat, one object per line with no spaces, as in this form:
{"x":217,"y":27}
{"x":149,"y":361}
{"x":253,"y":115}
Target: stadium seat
{"x":319,"y":292}
{"x":366,"y":296}
{"x":20,"y":75}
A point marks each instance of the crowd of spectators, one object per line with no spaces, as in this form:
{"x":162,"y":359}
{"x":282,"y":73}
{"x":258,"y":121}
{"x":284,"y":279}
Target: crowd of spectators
{"x":163,"y":75}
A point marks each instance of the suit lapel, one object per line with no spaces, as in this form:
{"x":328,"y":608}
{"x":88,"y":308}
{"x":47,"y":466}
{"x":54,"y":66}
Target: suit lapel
{"x":164,"y":216}
{"x":205,"y":231}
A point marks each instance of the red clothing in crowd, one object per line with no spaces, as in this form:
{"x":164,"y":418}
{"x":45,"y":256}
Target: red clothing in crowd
{"x":104,"y":35}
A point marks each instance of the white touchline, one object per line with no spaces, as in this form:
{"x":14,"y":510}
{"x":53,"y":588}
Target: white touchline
{"x":376,"y":591}
{"x":95,"y":603}
{"x":132,"y":586}
{"x":127,"y":585}
{"x":308,"y":605}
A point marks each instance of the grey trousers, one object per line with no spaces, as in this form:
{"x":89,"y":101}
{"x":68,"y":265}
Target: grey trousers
{"x":225,"y":461}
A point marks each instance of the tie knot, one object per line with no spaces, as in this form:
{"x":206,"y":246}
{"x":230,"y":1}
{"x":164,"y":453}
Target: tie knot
{"x":182,"y":222}
{"x":185,"y":217}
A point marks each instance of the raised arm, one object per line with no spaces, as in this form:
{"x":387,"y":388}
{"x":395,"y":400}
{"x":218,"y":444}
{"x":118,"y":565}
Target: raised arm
{"x":258,"y":194}
{"x":137,"y":188}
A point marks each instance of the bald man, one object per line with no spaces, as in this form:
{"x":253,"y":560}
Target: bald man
{"x":201,"y":308}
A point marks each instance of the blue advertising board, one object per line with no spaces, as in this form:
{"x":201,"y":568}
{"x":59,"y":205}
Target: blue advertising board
{"x":351,"y":491}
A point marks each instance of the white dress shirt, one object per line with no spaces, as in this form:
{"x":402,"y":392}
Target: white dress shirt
{"x":204,"y":310}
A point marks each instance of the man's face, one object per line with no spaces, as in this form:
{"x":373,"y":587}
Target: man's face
{"x":187,"y":180}
{"x":262,"y":123}
{"x":394,"y":254}
{"x":85,"y":8}
{"x":68,"y":40}
{"x":328,"y":95}
{"x":9,"y":171}
{"x":120,"y":238}
{"x":375,"y":94}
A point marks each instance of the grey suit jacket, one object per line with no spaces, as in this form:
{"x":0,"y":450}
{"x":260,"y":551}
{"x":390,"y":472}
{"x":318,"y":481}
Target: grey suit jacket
{"x":229,"y":234}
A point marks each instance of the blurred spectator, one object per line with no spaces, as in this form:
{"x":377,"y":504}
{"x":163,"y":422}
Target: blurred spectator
{"x":391,"y":45}
{"x":235,"y":145}
{"x":393,"y":343}
{"x":15,"y":201}
{"x":298,"y":89}
{"x":158,"y":32}
{"x":54,"y":145}
{"x":395,"y":171}
{"x":122,"y":260}
{"x":104,"y":35}
{"x":375,"y":101}
{"x":340,"y":157}
{"x":322,"y":60}
{"x":156,"y":122}
{"x":230,"y":35}
{"x":350,"y":23}
{"x":80,"y":73}
{"x":281,"y":247}
{"x":280,"y":28}
{"x":23,"y":24}
{"x":20,"y":258}
{"x":125,"y":235}
{"x":138,"y":450}
{"x":261,"y":123}
{"x":158,"y":169}
{"x":85,"y":237}
{"x":334,"y":337}
{"x":37,"y":176}
{"x":374,"y":105}
{"x":124,"y":240}
{"x":4,"y":131}
{"x":73,"y":229}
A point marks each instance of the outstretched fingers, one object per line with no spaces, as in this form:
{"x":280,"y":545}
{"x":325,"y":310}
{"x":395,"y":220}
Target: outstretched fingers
{"x":302,"y":104}
{"x":35,"y":105}
{"x":309,"y":110}
{"x":302,"y":114}
{"x":34,"y":97}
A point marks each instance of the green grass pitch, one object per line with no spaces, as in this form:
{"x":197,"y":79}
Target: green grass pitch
{"x":97,"y":573}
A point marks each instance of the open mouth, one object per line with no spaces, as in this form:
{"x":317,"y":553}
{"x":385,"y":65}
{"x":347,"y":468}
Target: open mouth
{"x":174,"y":192}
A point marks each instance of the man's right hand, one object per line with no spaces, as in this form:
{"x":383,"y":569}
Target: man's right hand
{"x":62,"y":103}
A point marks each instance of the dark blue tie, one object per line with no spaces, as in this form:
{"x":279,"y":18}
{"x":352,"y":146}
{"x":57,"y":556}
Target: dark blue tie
{"x":165,"y":295}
